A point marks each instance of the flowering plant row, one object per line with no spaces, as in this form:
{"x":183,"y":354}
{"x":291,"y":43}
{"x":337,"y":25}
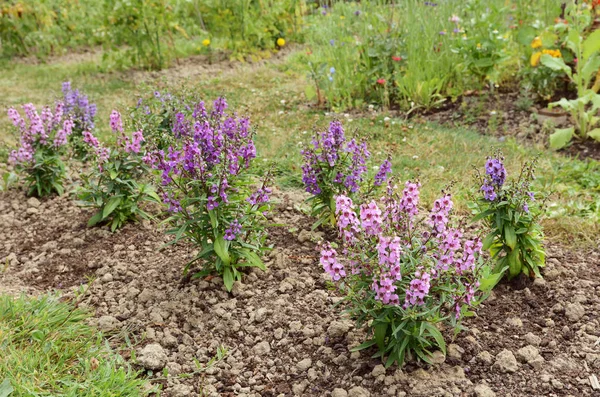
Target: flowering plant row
{"x":511,"y":213}
{"x":43,"y":137}
{"x":209,"y":192}
{"x":116,"y":187}
{"x":404,"y":272}
{"x":334,"y":165}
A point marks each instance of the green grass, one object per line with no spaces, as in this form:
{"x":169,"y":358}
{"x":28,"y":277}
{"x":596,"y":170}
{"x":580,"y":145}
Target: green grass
{"x":49,"y":350}
{"x":272,"y":95}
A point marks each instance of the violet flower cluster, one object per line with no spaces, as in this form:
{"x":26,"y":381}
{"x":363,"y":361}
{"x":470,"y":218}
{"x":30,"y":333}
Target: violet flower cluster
{"x":495,"y":177}
{"x":47,"y":131}
{"x":211,"y":150}
{"x":332,"y":154}
{"x":79,"y":108}
{"x":400,"y":257}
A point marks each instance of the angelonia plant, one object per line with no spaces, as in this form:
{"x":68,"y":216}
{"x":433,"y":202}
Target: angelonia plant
{"x":43,"y":137}
{"x":335,"y":165}
{"x":114,"y":187}
{"x":404,"y":271}
{"x":78,"y":107}
{"x":158,"y":114}
{"x":208,"y":190}
{"x":511,"y":212}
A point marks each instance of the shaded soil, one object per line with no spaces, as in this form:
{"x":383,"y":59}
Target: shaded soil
{"x":284,"y":335}
{"x":505,"y":114}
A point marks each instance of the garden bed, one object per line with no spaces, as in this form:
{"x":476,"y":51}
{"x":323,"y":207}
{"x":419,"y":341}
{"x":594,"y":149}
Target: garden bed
{"x":500,"y":115}
{"x":282,"y":331}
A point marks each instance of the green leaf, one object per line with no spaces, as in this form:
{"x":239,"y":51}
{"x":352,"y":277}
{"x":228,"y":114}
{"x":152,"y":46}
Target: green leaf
{"x":482,"y":215}
{"x":37,"y":335}
{"x":115,"y":224}
{"x":488,"y":240}
{"x":573,"y":40}
{"x":253,"y":259}
{"x":213,"y":219}
{"x":310,"y":92}
{"x":561,"y":137}
{"x":590,"y":68}
{"x":221,"y":250}
{"x":488,"y":282}
{"x":437,"y":335}
{"x":380,"y":332}
{"x":595,"y":133}
{"x":555,"y":64}
{"x":526,"y":35}
{"x":95,"y":219}
{"x":591,"y":44}
{"x":364,"y":345}
{"x":510,"y":236}
{"x":514,"y":264}
{"x":6,"y":388}
{"x":228,"y":278}
{"x":112,"y":204}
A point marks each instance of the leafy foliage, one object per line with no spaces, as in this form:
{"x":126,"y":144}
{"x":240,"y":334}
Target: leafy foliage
{"x":43,"y":137}
{"x":207,"y":188}
{"x":404,"y":273}
{"x":334,"y":165}
{"x":114,"y":186}
{"x":584,"y":108}
{"x":512,"y":215}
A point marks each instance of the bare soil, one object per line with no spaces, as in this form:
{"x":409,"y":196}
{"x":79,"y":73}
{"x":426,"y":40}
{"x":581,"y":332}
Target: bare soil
{"x":284,"y":335}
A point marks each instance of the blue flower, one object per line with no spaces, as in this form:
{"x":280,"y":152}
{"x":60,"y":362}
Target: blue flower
{"x":332,"y":70}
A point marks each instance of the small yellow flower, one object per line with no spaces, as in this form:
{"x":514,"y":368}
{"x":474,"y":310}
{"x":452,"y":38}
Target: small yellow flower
{"x":536,"y":43}
{"x":342,"y":17}
{"x":552,"y":53}
{"x":206,"y":42}
{"x":479,"y":46}
{"x":535,"y":58}
{"x":280,"y":42}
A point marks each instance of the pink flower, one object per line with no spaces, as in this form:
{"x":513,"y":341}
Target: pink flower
{"x":330,"y":263}
{"x":381,"y":81}
{"x":370,"y":216}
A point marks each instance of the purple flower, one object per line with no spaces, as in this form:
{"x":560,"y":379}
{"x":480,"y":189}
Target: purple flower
{"x":495,"y":169}
{"x":330,"y":263}
{"x":116,"y":124}
{"x":418,"y":289}
{"x":384,"y":169}
{"x":211,"y":203}
{"x":370,"y":217}
{"x":234,"y":229}
{"x":261,"y":196}
{"x":78,"y":108}
{"x":134,"y":145}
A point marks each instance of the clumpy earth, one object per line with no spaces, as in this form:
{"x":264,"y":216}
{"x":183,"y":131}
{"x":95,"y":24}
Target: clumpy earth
{"x":283,"y":334}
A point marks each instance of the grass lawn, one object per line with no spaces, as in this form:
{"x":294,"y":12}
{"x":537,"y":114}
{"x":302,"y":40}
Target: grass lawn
{"x":49,"y":350}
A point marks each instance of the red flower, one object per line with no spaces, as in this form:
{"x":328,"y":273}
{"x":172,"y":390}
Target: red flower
{"x":381,"y":81}
{"x":397,"y":59}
